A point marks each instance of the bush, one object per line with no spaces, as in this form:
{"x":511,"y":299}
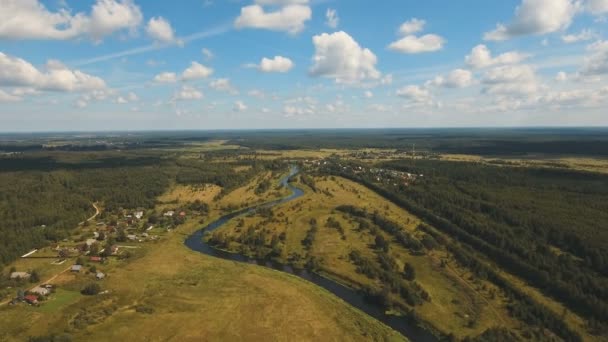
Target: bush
{"x":91,"y":289}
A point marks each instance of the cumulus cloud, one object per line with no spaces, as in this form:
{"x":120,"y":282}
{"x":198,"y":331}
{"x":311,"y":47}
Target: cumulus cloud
{"x":368,"y":94}
{"x":196,"y":71}
{"x":223,"y":84}
{"x":276,"y":64}
{"x":412,"y":26}
{"x":207,"y":53}
{"x":6,"y":97}
{"x":165,"y":77}
{"x":584,"y":35}
{"x":291,"y":18}
{"x":411,"y":43}
{"x":160,"y":30}
{"x":481,"y":57}
{"x":55,"y":76}
{"x":280,"y":2}
{"x":511,"y":79}
{"x":187,"y":92}
{"x":597,"y":62}
{"x":415,"y":93}
{"x":596,"y":7}
{"x":340,"y":57}
{"x":30,"y":19}
{"x":239,"y":106}
{"x":331,"y":18}
{"x":458,"y":78}
{"x":535,"y":17}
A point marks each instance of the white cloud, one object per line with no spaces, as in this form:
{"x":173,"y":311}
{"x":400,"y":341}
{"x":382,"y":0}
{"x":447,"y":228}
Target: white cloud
{"x":223,"y":84}
{"x":196,"y":71}
{"x":584,"y":35}
{"x":290,"y":18}
{"x":239,"y":106}
{"x":561,"y":76}
{"x":207,"y":53}
{"x":414,"y":44}
{"x":597,"y":62}
{"x":15,"y":71}
{"x":415,"y":93}
{"x":511,"y":79}
{"x":160,"y":30}
{"x":535,"y":17}
{"x":412,"y":26}
{"x":481,"y":57}
{"x":30,"y":19}
{"x":276,"y":64}
{"x":132,"y":97}
{"x":597,"y":7}
{"x":6,"y":97}
{"x":187,"y":93}
{"x":368,"y":94}
{"x":331,"y":18}
{"x":458,"y":78}
{"x":411,"y":43}
{"x":166,"y":77}
{"x":340,"y":57}
{"x":280,"y":2}
{"x":257,"y":93}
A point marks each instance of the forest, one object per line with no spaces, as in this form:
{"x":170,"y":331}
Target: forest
{"x":44,"y":195}
{"x":544,"y":225}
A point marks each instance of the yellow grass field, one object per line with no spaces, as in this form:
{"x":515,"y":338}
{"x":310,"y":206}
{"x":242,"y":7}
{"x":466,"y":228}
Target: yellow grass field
{"x":456,"y":300}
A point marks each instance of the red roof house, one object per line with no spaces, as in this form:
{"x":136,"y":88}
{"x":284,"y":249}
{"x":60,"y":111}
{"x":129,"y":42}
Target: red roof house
{"x":31,"y":299}
{"x":95,"y":259}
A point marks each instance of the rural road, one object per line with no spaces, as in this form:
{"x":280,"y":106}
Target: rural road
{"x":97,"y":211}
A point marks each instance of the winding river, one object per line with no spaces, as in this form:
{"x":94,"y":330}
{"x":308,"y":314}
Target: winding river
{"x":353,"y":297}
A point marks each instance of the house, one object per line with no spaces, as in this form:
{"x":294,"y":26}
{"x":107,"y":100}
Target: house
{"x":132,"y":237}
{"x":100,"y":275}
{"x":169,"y":213}
{"x":113,"y":249}
{"x":91,"y":242}
{"x":138,"y":214}
{"x":95,"y":235}
{"x":39,"y":290}
{"x":76,"y":268}
{"x":20,"y":275}
{"x":31,"y":299}
{"x":182,"y":214}
{"x":96,"y":259}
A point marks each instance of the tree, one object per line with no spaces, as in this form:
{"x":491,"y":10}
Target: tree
{"x":409,"y":272}
{"x":94,"y":249}
{"x":34,"y":277}
{"x":121,"y":236}
{"x":91,"y":289}
{"x":381,"y":243}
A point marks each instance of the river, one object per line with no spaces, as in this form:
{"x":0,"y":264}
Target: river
{"x":352,"y":297}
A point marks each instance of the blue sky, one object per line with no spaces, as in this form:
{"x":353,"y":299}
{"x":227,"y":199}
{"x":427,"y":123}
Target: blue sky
{"x":211,"y":64}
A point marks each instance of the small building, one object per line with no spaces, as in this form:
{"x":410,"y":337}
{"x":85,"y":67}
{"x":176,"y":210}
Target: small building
{"x":100,"y":275}
{"x":132,"y":237}
{"x":39,"y":290}
{"x":138,"y":214}
{"x":31,"y":299}
{"x":91,"y":242}
{"x":76,"y":268}
{"x":96,"y":259}
{"x":113,"y":249}
{"x":182,"y":214}
{"x":169,"y":213}
{"x":20,"y":275}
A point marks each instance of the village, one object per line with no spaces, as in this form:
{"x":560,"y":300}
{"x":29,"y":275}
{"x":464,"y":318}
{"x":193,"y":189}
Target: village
{"x":99,"y":244}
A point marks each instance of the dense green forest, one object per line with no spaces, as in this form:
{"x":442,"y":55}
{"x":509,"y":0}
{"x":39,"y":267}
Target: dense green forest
{"x":544,"y":225}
